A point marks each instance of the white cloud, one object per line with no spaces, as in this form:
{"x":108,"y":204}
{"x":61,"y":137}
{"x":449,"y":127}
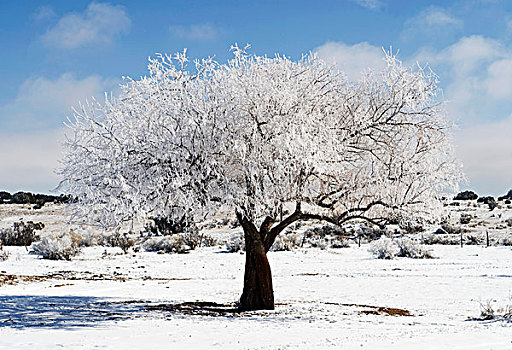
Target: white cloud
{"x":478,"y":71}
{"x":100,"y":23}
{"x":195,"y":32}
{"x":353,"y":60}
{"x":29,"y":160}
{"x":433,"y":22}
{"x":44,"y":103}
{"x":486,"y":152}
{"x":31,"y":128}
{"x":499,"y":80}
{"x":470,"y":53}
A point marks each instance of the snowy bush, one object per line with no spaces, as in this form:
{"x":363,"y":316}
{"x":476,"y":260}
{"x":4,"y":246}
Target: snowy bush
{"x":384,"y":248}
{"x":236,"y":242}
{"x":62,"y":247}
{"x":286,"y":242}
{"x":337,"y":243}
{"x":472,"y":240}
{"x":3,"y":254}
{"x":92,"y":239}
{"x":371,"y":233}
{"x":170,"y":225}
{"x":195,"y":240}
{"x":167,"y":244}
{"x":442,"y":239}
{"x":505,"y":240}
{"x":324,"y":237}
{"x":121,"y":240}
{"x":21,"y":233}
{"x":316,"y":242}
{"x":411,"y":249}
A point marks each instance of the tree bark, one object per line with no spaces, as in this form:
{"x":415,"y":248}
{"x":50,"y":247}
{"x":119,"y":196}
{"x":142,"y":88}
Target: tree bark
{"x":258,"y":293}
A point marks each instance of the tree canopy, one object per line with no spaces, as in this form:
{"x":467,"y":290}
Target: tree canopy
{"x":258,"y":134}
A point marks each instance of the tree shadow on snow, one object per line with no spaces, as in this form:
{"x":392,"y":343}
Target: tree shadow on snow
{"x":33,"y":311}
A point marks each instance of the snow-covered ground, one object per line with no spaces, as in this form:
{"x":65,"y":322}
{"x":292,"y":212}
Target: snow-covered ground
{"x":325,"y":298}
{"x":334,"y":298}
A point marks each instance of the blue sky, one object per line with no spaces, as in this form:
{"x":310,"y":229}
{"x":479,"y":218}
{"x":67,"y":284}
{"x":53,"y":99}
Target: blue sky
{"x":57,"y":53}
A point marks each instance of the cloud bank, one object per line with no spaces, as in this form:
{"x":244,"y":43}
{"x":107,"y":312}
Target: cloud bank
{"x":99,"y":24}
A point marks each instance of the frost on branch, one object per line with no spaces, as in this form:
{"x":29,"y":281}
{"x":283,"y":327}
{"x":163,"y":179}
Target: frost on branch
{"x":259,"y":134}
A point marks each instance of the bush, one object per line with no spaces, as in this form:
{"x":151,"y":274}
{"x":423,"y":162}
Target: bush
{"x":121,"y":240}
{"x":195,"y":240}
{"x":411,"y":249}
{"x":337,"y":243}
{"x":450,"y":229}
{"x":384,"y":248}
{"x":505,"y":240}
{"x":62,"y":247}
{"x":169,"y":225}
{"x":236,"y":242}
{"x":287,"y":242}
{"x":465,"y":219}
{"x":410,"y":227}
{"x":3,"y":254}
{"x":21,"y":233}
{"x":167,"y":244}
{"x":472,"y":240}
{"x":324,"y":237}
{"x":446,"y":239}
{"x":371,"y":233}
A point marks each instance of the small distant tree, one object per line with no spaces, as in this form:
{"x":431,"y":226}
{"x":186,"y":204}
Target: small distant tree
{"x":260,"y":135}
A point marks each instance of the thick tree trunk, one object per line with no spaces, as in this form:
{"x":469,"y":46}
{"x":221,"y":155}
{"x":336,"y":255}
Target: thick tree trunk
{"x":258,"y":293}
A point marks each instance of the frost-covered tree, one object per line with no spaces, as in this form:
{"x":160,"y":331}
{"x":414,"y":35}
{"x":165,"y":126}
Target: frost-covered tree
{"x":276,"y":140}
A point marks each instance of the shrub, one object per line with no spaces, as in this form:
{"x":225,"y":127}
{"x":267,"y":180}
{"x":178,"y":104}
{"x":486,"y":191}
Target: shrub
{"x":92,"y":239}
{"x":62,"y":247}
{"x":236,"y":242}
{"x":3,"y":254}
{"x":450,"y":229}
{"x":505,"y":240}
{"x":170,"y":225}
{"x":446,"y":239}
{"x":21,"y":233}
{"x":121,"y":240}
{"x":472,"y":240}
{"x":371,"y":233}
{"x":166,"y":244}
{"x":410,"y":227}
{"x":384,"y":248}
{"x":287,"y":242}
{"x":195,"y":239}
{"x":465,"y":219}
{"x":411,"y":249}
{"x":337,"y":243}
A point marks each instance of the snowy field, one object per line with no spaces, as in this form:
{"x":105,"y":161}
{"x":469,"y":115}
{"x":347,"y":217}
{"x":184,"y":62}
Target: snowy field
{"x":334,"y":298}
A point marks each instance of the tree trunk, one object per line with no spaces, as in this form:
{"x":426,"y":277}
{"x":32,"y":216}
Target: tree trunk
{"x":258,"y":293}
